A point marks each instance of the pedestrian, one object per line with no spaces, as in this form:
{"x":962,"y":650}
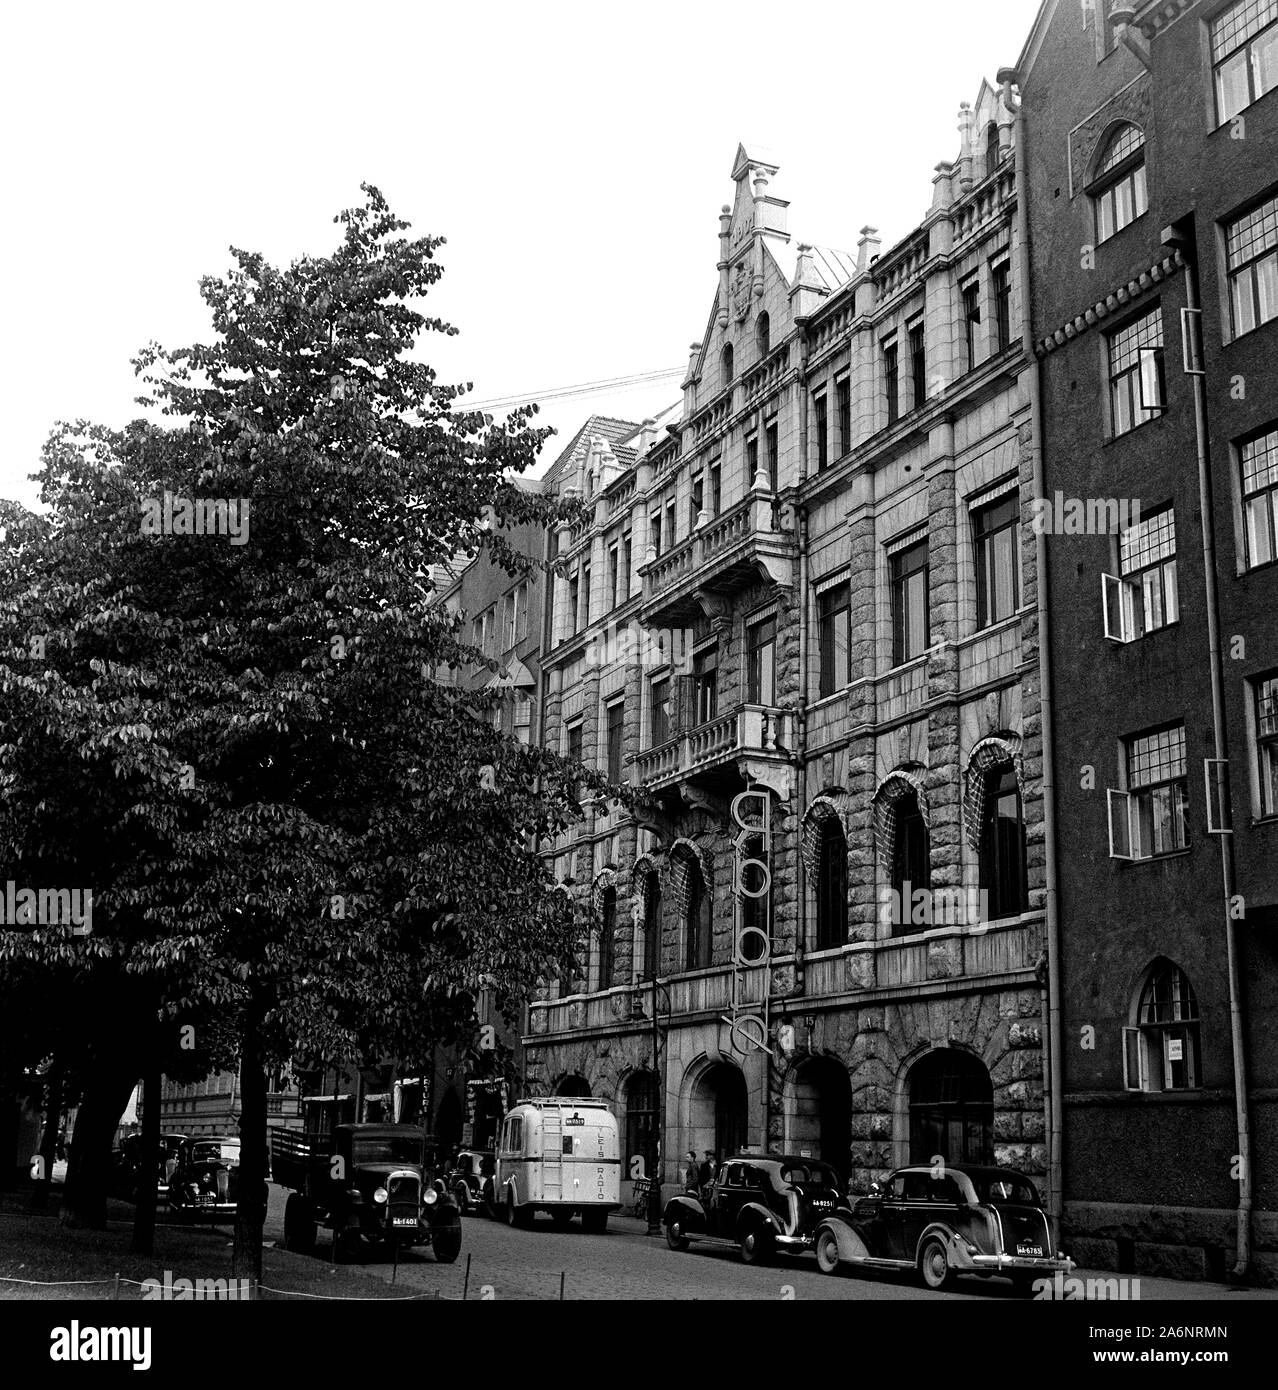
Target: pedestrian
{"x":705,"y":1174}
{"x":692,"y":1174}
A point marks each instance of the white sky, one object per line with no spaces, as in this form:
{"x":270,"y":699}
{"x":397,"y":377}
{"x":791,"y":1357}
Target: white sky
{"x":575,"y":156}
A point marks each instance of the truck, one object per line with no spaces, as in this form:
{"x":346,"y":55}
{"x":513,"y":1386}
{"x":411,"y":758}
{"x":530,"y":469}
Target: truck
{"x":557,"y":1154}
{"x":372,"y":1185}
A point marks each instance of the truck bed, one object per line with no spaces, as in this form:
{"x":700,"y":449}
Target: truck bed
{"x":298,"y":1161}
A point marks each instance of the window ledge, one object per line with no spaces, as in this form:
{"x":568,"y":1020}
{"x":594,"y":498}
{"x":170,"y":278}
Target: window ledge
{"x":1157,"y":858}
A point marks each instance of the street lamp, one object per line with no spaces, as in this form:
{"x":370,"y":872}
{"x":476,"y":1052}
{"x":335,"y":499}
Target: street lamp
{"x":659,"y":1080}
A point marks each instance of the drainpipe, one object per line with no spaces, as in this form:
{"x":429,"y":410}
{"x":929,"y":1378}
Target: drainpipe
{"x":1180,"y":236}
{"x":801,"y":709}
{"x":1053,"y":1097}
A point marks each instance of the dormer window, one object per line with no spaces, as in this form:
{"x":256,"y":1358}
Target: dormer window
{"x":1118,"y":190}
{"x":725,"y":364}
{"x":763,"y":334}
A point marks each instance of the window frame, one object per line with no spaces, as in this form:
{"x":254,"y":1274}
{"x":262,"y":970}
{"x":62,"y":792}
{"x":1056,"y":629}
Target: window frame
{"x":830,"y":928}
{"x":899,"y":586}
{"x":985,"y":537}
{"x":659,"y":679}
{"x":1001,"y":298}
{"x":821,"y":430}
{"x":1003,"y":874}
{"x":1128,"y":173}
{"x":843,"y":413}
{"x":830,"y":679}
{"x":1228,"y":56}
{"x":615,"y":736}
{"x":1145,"y":372}
{"x":1129,"y":592}
{"x":916,"y":334}
{"x":970,"y":299}
{"x":1265,"y":743}
{"x":1140,"y":1052}
{"x":892,"y":380}
{"x":755,"y":666}
{"x":1137,"y":804}
{"x":1267,"y":256}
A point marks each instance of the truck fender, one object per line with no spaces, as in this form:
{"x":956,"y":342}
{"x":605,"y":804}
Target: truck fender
{"x":754,"y":1212}
{"x":852,"y":1249}
{"x":689,"y":1212}
{"x":955,"y":1245}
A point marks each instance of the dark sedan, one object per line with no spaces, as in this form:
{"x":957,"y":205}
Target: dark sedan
{"x":206,"y":1181}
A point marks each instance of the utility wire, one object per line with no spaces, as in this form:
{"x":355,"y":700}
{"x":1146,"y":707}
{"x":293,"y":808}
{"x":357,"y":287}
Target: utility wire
{"x":585,"y":388}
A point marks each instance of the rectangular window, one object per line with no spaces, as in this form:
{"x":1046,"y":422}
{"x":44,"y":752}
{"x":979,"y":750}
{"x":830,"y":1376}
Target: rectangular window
{"x":1136,"y":373}
{"x":1121,"y":202}
{"x":1150,"y":818}
{"x":1001,"y":282}
{"x":834,"y":607}
{"x":995,"y":530}
{"x":574,"y":752}
{"x":523,"y":596}
{"x":585,"y":596}
{"x":971,"y":293}
{"x":1259,"y":458}
{"x":623,"y":592}
{"x":909,"y":572}
{"x":761,"y":656}
{"x":716,"y":487}
{"x":574,"y":602}
{"x":771,"y":455}
{"x":705,"y":694}
{"x":843,"y":404}
{"x":670,"y":521}
{"x":616,"y":713}
{"x":751,"y":461}
{"x":891,"y":383}
{"x":1251,"y":251}
{"x":1267,"y":742}
{"x":508,"y":622}
{"x":654,"y":530}
{"x":614,"y":576}
{"x":1144,"y":596}
{"x":696,"y":497}
{"x":1244,"y":55}
{"x":820,"y":429}
{"x":918,"y":366}
{"x":658,"y":711}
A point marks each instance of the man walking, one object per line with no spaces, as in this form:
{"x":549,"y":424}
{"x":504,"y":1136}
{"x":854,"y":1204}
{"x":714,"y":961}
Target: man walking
{"x":692,"y":1174}
{"x":705,"y":1174}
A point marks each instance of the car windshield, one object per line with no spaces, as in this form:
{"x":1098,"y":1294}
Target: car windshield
{"x":216,"y":1151}
{"x":386,"y":1148}
{"x":813,"y":1174}
{"x":1004,"y":1188}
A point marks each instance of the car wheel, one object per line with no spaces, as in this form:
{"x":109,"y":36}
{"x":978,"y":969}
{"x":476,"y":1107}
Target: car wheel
{"x":446,"y":1243}
{"x":827,"y":1252}
{"x":934,"y":1263}
{"x":756,"y":1245}
{"x":512,"y":1211}
{"x":675,"y":1237}
{"x":299,"y":1225}
{"x":594,"y":1222}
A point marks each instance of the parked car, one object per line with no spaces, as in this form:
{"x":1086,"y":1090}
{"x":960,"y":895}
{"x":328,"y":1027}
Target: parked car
{"x":468,"y":1176}
{"x":126,"y":1164}
{"x":763,"y":1203}
{"x":943,"y":1221}
{"x":371,"y":1184}
{"x":206,"y":1180}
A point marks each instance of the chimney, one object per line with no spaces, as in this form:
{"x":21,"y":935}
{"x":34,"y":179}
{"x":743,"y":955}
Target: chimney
{"x":867,"y":247}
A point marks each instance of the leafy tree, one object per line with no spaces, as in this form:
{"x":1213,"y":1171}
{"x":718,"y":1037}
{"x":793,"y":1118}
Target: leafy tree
{"x":298,"y":822}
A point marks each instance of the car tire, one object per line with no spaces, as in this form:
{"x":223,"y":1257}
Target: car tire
{"x":756,"y":1244}
{"x":594,"y":1222}
{"x":934,"y":1263}
{"x":675,"y":1238}
{"x":299,"y":1225}
{"x":446,"y":1243}
{"x":827,"y":1252}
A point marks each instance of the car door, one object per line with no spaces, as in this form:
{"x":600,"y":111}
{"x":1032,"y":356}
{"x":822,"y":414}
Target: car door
{"x":892,"y":1217}
{"x":726,"y":1200}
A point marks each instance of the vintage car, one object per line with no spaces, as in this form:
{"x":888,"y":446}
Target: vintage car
{"x":762,"y":1203}
{"x":472,"y":1169}
{"x":126,"y":1165}
{"x":206,"y":1180}
{"x":943,"y":1221}
{"x":372,"y":1185}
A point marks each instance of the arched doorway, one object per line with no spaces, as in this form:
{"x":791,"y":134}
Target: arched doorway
{"x":951,"y":1103}
{"x":573,"y":1085}
{"x":819,"y":1113}
{"x":448,"y":1121}
{"x":718,"y":1111}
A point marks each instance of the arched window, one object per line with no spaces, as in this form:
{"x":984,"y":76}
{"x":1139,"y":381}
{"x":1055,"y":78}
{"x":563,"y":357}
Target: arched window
{"x":697,"y":935}
{"x":901,"y":844}
{"x":1161,"y":1052}
{"x":910,"y":867}
{"x":951,"y":1108}
{"x":1117,"y":189}
{"x":1002,"y":860}
{"x":763,"y":334}
{"x":991,"y":148}
{"x":607,"y":937}
{"x":831,"y":885}
{"x":725,"y":364}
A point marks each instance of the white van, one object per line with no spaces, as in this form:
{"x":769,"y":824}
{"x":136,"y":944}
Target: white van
{"x":558,"y":1154}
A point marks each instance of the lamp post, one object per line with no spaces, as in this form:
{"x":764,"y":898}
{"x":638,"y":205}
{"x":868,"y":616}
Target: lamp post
{"x":658,"y":1076}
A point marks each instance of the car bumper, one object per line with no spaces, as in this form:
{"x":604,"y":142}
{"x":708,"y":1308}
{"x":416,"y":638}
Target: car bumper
{"x":1019,"y":1264}
{"x":207,"y":1208}
{"x":795,"y":1242}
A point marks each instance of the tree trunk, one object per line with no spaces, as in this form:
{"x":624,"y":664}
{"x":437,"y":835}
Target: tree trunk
{"x":49,"y":1136}
{"x":144,"y":1213}
{"x":106,"y":1094}
{"x":250,"y":1214}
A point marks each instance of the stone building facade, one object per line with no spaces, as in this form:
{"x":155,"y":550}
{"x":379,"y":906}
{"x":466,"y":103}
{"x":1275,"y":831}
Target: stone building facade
{"x":802,"y":621}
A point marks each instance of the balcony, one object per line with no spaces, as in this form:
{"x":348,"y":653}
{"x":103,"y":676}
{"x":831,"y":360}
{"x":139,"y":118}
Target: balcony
{"x":724,"y":555}
{"x":759,"y":733}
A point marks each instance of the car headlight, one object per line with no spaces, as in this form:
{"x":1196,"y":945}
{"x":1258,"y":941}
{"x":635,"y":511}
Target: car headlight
{"x":430,"y":1196}
{"x":380,"y":1195}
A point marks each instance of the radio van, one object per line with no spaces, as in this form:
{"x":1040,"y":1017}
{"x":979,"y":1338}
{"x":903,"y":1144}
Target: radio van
{"x":561,"y":1155}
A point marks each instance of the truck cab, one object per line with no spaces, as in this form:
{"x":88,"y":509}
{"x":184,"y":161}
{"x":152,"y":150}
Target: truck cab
{"x":560,"y":1155}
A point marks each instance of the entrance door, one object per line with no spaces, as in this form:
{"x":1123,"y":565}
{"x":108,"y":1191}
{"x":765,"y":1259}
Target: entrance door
{"x":951,"y":1109}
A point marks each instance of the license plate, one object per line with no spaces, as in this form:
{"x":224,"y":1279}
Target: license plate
{"x":1023,"y":1248}
{"x":403,"y":1221}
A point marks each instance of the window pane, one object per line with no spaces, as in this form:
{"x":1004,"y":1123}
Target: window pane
{"x":1260,"y":537}
{"x":1140,"y":195}
{"x":1231,"y":87}
{"x":1264,"y":62}
{"x":1266,"y":272}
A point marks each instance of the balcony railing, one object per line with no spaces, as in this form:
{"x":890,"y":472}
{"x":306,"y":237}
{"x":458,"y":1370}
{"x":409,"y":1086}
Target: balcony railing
{"x":748,"y":730}
{"x":699,"y":992}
